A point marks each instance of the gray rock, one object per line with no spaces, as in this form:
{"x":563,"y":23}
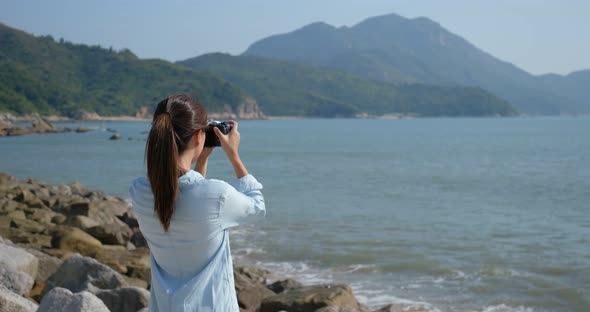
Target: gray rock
{"x":312,"y":298}
{"x":115,"y":136}
{"x":17,"y":281}
{"x":60,"y":299}
{"x":11,"y":302}
{"x":47,"y":264}
{"x":282,"y":285}
{"x":18,"y":259}
{"x":340,"y":309}
{"x":126,"y":299}
{"x":79,"y":273}
{"x":404,"y":308}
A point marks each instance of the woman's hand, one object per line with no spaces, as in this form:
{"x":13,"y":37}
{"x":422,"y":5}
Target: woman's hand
{"x":231,"y":141}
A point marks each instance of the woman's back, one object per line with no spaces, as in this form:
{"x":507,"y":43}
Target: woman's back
{"x":183,"y":216}
{"x":194,"y":252}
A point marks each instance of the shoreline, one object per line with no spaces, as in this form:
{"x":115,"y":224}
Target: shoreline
{"x":55,"y":227}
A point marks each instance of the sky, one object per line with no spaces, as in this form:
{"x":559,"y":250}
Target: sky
{"x":539,"y":36}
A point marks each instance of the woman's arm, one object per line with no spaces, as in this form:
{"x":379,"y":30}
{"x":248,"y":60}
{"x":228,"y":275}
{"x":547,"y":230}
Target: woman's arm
{"x":230,"y":143}
{"x":201,"y":164}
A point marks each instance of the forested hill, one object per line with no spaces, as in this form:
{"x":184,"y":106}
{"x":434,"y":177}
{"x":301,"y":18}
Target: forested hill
{"x":393,"y":48}
{"x":284,"y":88}
{"x":38,"y":74}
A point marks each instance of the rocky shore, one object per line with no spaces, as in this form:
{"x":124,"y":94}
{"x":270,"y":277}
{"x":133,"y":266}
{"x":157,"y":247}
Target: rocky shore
{"x":64,"y":247}
{"x":38,"y":125}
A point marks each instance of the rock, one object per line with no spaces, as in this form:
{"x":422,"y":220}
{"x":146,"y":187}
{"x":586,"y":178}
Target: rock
{"x":8,"y":205}
{"x":115,"y":232}
{"x":59,"y":218}
{"x":129,"y":219}
{"x":250,"y":287}
{"x":16,"y":281}
{"x":84,"y":129}
{"x":27,"y":225}
{"x":60,"y":190}
{"x":282,"y":285}
{"x":43,"y":216}
{"x":17,"y":214}
{"x":102,"y":211}
{"x":312,"y":298}
{"x":253,"y":274}
{"x":250,"y":297}
{"x":82,"y":222}
{"x":123,"y":260}
{"x":47,"y":264}
{"x":39,"y":124}
{"x":115,"y":136}
{"x":126,"y":299}
{"x":340,"y":309}
{"x":20,"y":236}
{"x":17,"y":259}
{"x":79,"y":273}
{"x":404,"y":308}
{"x":137,"y":239}
{"x":11,"y":302}
{"x":79,"y":189}
{"x":81,"y":114}
{"x":74,"y":239}
{"x":60,"y":299}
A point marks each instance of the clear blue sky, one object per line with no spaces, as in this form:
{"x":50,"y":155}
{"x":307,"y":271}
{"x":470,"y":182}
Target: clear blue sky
{"x":537,"y":35}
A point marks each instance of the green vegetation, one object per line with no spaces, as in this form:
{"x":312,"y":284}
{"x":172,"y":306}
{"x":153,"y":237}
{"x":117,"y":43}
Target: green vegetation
{"x":283,"y":88}
{"x":38,"y":74}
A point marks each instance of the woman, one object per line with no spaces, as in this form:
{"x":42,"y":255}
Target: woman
{"x":184,"y":217}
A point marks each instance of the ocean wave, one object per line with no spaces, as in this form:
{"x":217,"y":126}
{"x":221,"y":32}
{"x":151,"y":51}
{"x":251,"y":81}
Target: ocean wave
{"x":505,"y":308}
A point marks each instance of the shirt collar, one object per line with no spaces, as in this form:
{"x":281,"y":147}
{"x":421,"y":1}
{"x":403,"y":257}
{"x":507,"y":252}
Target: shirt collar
{"x":189,"y":177}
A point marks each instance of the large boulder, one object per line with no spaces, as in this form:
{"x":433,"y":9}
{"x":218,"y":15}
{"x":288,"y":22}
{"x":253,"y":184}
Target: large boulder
{"x":74,"y":239}
{"x":312,"y":298}
{"x":11,"y":302}
{"x":17,"y":281}
{"x":115,"y":232}
{"x":21,"y":236}
{"x":250,"y":287}
{"x":47,"y":266}
{"x":17,"y":259}
{"x":40,"y":124}
{"x":126,"y":299}
{"x":134,"y":263}
{"x":283,"y":285}
{"x":78,"y":273}
{"x":60,"y":299}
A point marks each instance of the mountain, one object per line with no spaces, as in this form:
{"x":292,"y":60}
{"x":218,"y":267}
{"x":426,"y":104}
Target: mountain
{"x":285,"y":88}
{"x":38,"y":74}
{"x":395,"y":49}
{"x":573,"y":86}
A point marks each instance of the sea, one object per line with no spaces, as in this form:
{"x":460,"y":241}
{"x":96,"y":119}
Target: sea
{"x":438,"y":214}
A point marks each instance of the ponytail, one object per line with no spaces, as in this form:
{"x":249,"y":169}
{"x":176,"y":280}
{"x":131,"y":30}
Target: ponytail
{"x":166,"y":141}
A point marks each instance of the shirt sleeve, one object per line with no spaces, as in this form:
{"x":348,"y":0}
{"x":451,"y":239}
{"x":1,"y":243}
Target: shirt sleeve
{"x":242,"y":202}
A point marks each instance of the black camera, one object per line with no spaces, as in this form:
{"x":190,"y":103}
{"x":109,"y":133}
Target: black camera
{"x":211,"y":139}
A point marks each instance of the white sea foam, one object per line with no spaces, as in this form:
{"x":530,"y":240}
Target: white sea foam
{"x":505,"y":308}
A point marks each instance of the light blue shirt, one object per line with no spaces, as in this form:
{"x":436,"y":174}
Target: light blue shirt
{"x":191,"y":264}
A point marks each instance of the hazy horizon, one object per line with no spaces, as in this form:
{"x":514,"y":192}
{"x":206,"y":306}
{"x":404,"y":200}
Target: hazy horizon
{"x":524,"y":37}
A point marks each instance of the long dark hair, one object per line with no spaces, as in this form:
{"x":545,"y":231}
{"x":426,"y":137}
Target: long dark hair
{"x":177,"y":119}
